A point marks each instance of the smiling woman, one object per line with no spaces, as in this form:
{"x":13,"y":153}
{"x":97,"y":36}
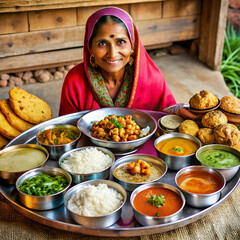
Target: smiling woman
{"x":116,"y":72}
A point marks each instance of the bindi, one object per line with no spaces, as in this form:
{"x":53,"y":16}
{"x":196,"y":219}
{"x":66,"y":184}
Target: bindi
{"x":112,"y":36}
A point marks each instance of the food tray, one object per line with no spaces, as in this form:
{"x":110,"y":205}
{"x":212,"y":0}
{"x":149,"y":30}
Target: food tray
{"x":127,"y":225}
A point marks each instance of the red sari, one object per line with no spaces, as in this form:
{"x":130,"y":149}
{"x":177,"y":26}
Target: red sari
{"x":149,"y":90}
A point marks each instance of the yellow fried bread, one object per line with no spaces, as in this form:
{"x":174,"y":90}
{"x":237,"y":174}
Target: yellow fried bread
{"x":12,"y":118}
{"x":6,"y":129}
{"x":3,"y":142}
{"x":29,"y":107}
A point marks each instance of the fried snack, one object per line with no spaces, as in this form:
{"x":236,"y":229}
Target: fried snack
{"x":3,"y":142}
{"x":6,"y":129}
{"x":189,"y":127}
{"x":213,"y":119}
{"x":230,"y":104}
{"x":227,"y":134}
{"x":206,"y":136}
{"x":203,"y":100}
{"x":12,"y":118}
{"x":29,"y":107}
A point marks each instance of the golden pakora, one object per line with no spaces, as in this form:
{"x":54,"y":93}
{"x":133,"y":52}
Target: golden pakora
{"x":213,"y":119}
{"x":188,"y":127}
{"x":230,"y":104}
{"x":206,"y":136}
{"x":227,"y":134}
{"x":203,"y":100}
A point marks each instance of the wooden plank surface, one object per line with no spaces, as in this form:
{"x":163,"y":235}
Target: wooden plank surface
{"x":212,"y":34}
{"x":40,"y":60}
{"x":13,"y":22}
{"x":176,"y":8}
{"x":168,"y":30}
{"x":32,"y":5}
{"x":151,"y":32}
{"x":40,"y":41}
{"x":146,"y":11}
{"x":84,"y":13}
{"x":49,"y":19}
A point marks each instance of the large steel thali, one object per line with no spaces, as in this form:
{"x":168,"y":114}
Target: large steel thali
{"x":127,"y":225}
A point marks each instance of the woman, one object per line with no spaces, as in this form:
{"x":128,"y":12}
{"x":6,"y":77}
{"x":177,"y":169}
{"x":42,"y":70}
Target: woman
{"x":116,"y":72}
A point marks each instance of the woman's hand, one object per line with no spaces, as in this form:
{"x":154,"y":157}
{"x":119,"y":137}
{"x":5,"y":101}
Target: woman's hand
{"x":181,"y":110}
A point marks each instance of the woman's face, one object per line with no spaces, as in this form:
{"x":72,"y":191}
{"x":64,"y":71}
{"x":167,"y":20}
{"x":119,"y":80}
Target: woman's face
{"x":111,"y":47}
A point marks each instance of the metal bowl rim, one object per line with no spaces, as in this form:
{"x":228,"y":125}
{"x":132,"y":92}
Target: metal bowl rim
{"x":219,"y":145}
{"x":205,"y":169}
{"x":61,"y":125}
{"x":114,"y":167}
{"x":113,"y":142}
{"x":91,"y":182}
{"x":163,"y":185}
{"x":62,"y":157}
{"x":29,"y":145}
{"x":178,"y":135}
{"x":65,"y":173}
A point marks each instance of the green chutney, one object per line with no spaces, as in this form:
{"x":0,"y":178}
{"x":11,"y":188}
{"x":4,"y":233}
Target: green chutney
{"x":219,"y":159}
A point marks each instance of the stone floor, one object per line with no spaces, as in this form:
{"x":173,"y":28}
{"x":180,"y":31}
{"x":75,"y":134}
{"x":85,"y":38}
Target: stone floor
{"x":184,"y":74}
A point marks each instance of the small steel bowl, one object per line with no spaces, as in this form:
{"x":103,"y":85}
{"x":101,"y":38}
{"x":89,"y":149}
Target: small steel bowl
{"x":118,"y":148}
{"x":228,"y":173}
{"x":55,"y":151}
{"x":130,"y":186}
{"x":177,"y":162}
{"x":102,"y":221}
{"x":11,"y":177}
{"x":43,"y":202}
{"x":152,"y":220}
{"x":201,"y":200}
{"x":168,"y":128}
{"x":81,"y":177}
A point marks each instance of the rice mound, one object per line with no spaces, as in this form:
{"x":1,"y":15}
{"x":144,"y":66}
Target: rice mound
{"x":89,"y":160}
{"x":95,"y":200}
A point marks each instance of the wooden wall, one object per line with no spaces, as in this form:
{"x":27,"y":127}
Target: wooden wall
{"x":34,"y":36}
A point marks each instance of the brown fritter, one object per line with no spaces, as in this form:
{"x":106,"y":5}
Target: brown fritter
{"x":213,"y":119}
{"x":12,"y":118}
{"x":3,"y":141}
{"x":6,"y":129}
{"x":230,"y":104}
{"x":227,"y":134}
{"x":203,"y":100}
{"x":206,"y":136}
{"x":188,"y":127}
{"x":29,"y":107}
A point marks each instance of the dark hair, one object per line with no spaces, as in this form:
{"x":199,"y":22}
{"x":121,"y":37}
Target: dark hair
{"x":104,"y":20}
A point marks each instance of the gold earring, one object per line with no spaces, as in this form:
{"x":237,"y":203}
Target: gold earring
{"x":92,"y":61}
{"x":131,"y":60}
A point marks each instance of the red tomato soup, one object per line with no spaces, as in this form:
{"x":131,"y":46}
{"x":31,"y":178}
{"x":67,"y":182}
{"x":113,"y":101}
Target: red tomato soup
{"x":172,"y":204}
{"x":199,"y":182}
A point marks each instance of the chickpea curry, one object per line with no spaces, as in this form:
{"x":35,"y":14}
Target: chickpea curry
{"x":138,"y":172}
{"x":116,"y":128}
{"x":57,"y":136}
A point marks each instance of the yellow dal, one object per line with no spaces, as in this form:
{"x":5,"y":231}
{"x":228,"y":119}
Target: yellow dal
{"x":21,"y":159}
{"x":169,"y":146}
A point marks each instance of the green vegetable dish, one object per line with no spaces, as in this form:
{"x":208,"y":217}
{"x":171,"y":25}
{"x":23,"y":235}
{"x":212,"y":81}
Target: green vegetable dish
{"x":219,"y":159}
{"x":43,"y":185}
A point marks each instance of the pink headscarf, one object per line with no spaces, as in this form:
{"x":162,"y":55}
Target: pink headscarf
{"x":149,"y":90}
{"x":117,"y":12}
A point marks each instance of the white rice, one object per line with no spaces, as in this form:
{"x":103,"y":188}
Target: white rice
{"x":144,"y":131}
{"x":95,"y":200}
{"x":88,"y":160}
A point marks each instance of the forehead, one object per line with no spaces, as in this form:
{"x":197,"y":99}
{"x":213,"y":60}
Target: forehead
{"x":108,"y":29}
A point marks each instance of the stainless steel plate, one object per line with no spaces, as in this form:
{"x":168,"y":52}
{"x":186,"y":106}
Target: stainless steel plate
{"x":127,"y":225}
